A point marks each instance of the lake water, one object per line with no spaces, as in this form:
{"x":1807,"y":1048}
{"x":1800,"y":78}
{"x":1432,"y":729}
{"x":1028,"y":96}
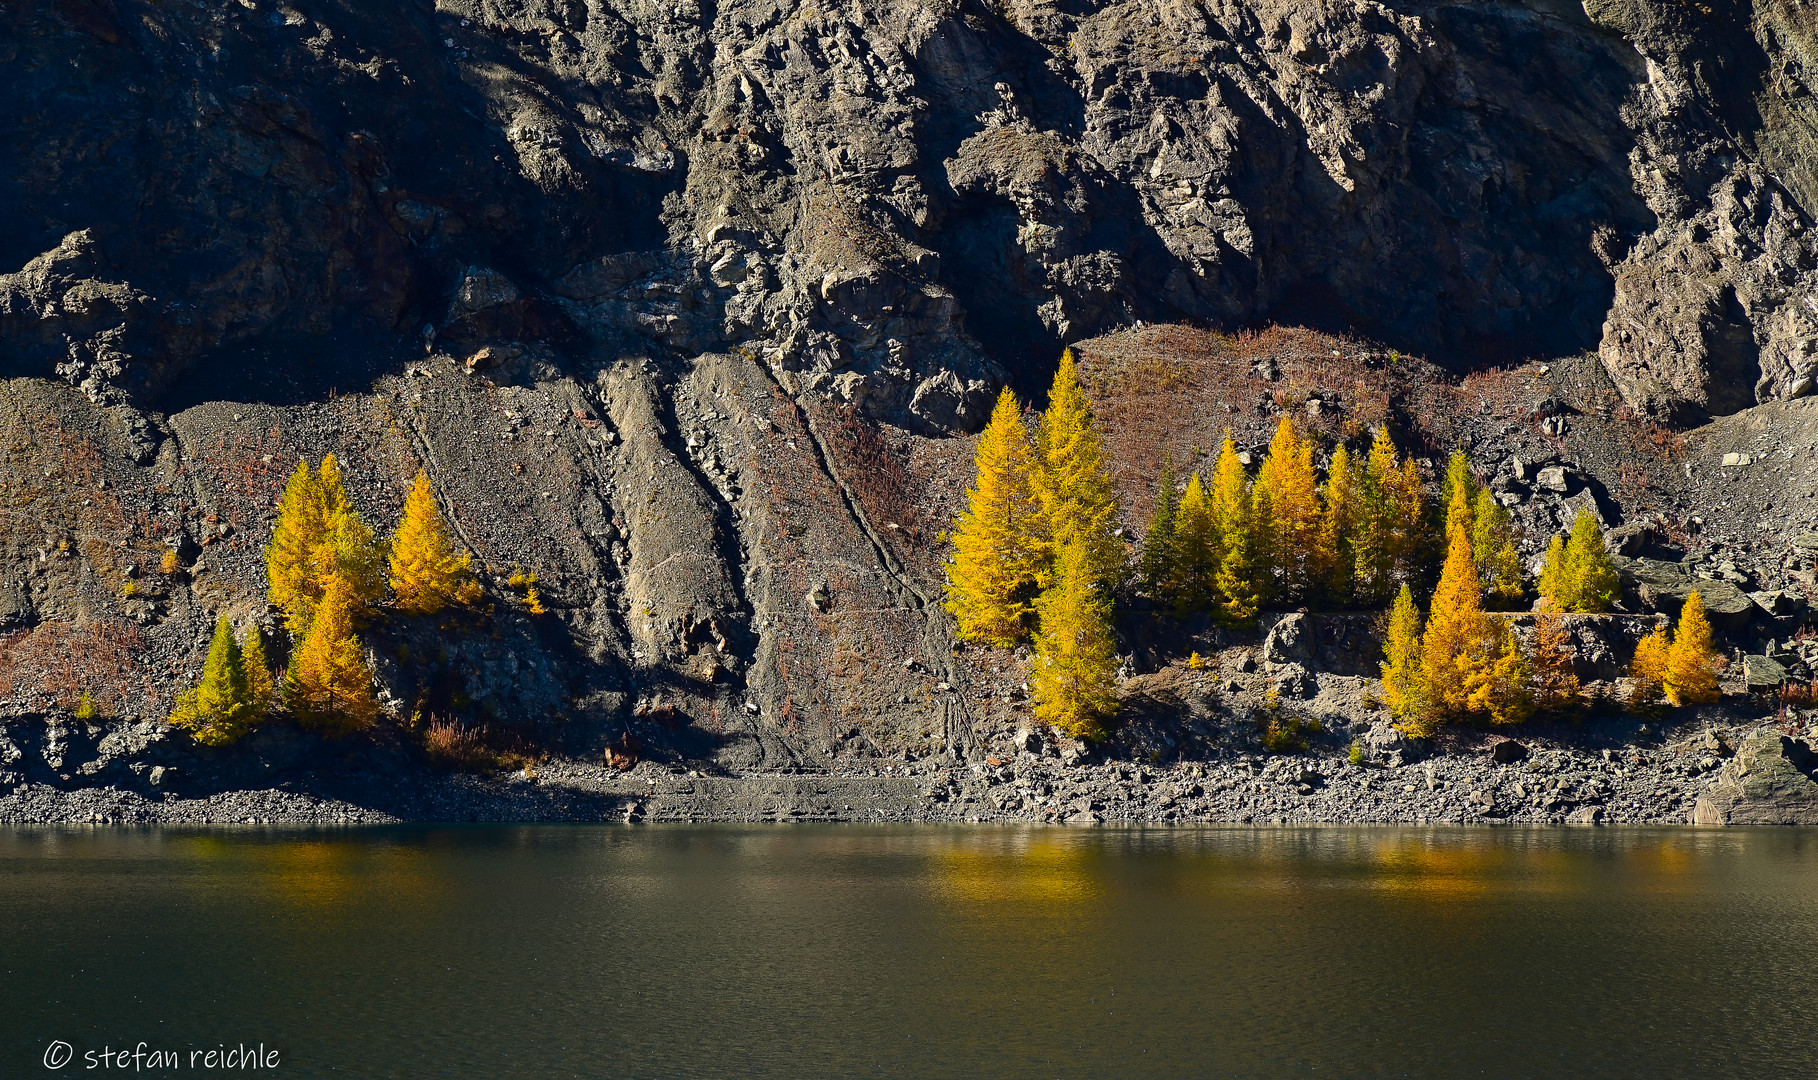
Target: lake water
{"x":846,"y":951}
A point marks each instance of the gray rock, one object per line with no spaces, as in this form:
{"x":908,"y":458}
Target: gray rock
{"x":1774,"y":602}
{"x":1763,"y":672}
{"x":1662,"y":586}
{"x":1555,"y":478}
{"x":1585,"y":815}
{"x":1288,"y":640}
{"x":1768,"y":782}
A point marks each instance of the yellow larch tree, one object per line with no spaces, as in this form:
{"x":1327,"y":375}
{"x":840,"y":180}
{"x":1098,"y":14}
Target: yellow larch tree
{"x":1649,"y":667}
{"x":991,"y":577}
{"x":1409,"y":538}
{"x":1691,"y":667}
{"x":1502,"y":680}
{"x":1579,"y":575}
{"x":1339,"y":525}
{"x":1403,"y":682}
{"x":1458,"y":492}
{"x":319,"y":535}
{"x":1453,"y":656}
{"x":428,"y":573}
{"x":329,"y":685}
{"x":290,"y":558}
{"x":1238,"y":581}
{"x":1288,"y":504}
{"x":1073,"y":680}
{"x":355,"y":553}
{"x":1196,"y":545}
{"x":1070,"y":479}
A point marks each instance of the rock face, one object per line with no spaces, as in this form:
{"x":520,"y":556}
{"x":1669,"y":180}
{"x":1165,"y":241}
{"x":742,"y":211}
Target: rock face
{"x":1768,"y":782}
{"x":899,"y":202}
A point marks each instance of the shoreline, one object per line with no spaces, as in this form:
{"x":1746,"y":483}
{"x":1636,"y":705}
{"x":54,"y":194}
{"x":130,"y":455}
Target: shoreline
{"x":1698,"y":777}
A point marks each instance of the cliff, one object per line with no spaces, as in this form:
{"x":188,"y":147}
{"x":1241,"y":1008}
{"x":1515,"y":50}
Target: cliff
{"x":684,"y":306}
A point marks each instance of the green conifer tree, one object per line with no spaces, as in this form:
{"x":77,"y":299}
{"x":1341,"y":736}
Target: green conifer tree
{"x":1197,"y":540}
{"x":1160,"y":550}
{"x":217,"y":711}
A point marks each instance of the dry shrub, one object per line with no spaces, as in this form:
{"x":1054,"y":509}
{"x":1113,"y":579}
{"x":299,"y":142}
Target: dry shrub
{"x":56,"y":663}
{"x":876,"y":473}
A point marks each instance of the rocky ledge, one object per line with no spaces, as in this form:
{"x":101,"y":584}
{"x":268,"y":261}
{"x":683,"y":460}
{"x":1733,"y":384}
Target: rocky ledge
{"x":1595,"y":773}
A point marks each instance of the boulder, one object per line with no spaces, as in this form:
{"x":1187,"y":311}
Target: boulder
{"x":1628,"y":540}
{"x":1585,"y":815}
{"x":1763,"y":672}
{"x":1658,"y":585}
{"x":1768,"y":782}
{"x":1556,"y":478}
{"x":1287,"y":641}
{"x":1507,"y":751}
{"x":1774,"y":603}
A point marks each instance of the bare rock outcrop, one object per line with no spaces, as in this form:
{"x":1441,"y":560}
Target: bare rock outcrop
{"x":1768,"y":782}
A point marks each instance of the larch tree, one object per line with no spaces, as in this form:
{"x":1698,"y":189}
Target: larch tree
{"x":1160,"y":549}
{"x":290,"y":558}
{"x":1651,"y":656}
{"x":1453,"y":654}
{"x":1409,"y":538}
{"x":1288,"y":502}
{"x":1555,"y":577}
{"x":319,"y":535}
{"x":428,"y":573}
{"x":1594,"y":577}
{"x":1196,"y":536}
{"x":329,"y":685}
{"x":1556,"y":685}
{"x":220,"y":708}
{"x":1374,"y":537}
{"x":1458,"y":493}
{"x":1070,"y":480}
{"x":1237,"y":581}
{"x":1339,"y":525}
{"x":1579,"y":575}
{"x":255,"y":660}
{"x":1502,"y":680}
{"x":356,"y":556}
{"x":1403,"y":685}
{"x":991,"y":577}
{"x":1691,"y":667}
{"x":1073,"y":681}
{"x":1493,"y":546}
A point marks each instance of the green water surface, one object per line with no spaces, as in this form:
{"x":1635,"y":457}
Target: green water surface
{"x":848,"y":951}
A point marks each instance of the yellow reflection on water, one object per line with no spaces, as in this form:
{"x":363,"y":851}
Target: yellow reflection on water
{"x":317,"y":873}
{"x":1042,"y":874}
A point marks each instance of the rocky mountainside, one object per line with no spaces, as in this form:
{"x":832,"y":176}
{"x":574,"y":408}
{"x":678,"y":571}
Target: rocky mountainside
{"x":900,"y":201}
{"x":682,"y":305}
